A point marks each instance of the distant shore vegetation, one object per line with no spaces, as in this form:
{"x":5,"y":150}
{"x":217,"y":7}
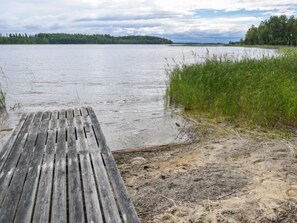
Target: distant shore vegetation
{"x":256,"y":91}
{"x":63,"y":38}
{"x":277,"y":30}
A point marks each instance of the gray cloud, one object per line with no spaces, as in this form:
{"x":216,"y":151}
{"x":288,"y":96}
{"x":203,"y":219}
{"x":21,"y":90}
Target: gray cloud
{"x":129,"y":17}
{"x":174,"y":19}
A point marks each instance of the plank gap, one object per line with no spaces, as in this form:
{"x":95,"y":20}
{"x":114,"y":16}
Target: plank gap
{"x":15,"y":211}
{"x":38,"y":182}
{"x":103,"y":161}
{"x":66,"y":134}
{"x":97,"y":140}
{"x":58,"y":116}
{"x":67,"y":192}
{"x":25,"y":140}
{"x":82,"y":188}
{"x":85,"y":133}
{"x":17,"y":139}
{"x":52,"y":189}
{"x":36,"y":139}
{"x":11,"y":177}
{"x":56,"y":140}
{"x":73,"y":115}
{"x":14,"y":171}
{"x":46,"y":137}
{"x":97,"y":188}
{"x":75,"y":131}
{"x":80,"y":112}
{"x":42,"y":116}
{"x":112,"y":189}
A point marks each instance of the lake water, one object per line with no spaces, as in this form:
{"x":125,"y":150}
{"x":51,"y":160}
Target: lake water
{"x":125,"y":84}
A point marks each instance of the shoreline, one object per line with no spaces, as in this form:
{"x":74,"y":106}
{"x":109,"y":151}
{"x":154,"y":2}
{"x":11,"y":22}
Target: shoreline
{"x":155,"y":148}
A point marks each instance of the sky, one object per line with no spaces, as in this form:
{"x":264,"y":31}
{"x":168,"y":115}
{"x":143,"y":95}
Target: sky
{"x":183,"y":21}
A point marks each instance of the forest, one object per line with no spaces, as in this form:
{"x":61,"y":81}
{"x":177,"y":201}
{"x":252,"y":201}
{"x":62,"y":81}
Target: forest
{"x":63,"y":38}
{"x":277,"y":30}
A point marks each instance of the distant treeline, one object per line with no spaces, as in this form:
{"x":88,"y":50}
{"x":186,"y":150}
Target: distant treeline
{"x":63,"y":38}
{"x":278,"y":30}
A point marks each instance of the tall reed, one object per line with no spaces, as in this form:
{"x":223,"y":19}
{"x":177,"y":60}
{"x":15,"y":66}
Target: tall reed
{"x":2,"y":94}
{"x":261,"y":91}
{"x":2,"y":100}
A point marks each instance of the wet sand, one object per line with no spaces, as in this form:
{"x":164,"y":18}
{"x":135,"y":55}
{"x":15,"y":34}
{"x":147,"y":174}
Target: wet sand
{"x":230,"y":178}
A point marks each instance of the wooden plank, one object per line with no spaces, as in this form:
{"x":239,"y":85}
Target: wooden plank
{"x":15,"y":136}
{"x":27,"y":200}
{"x":43,"y":201}
{"x":62,"y":114}
{"x":126,"y":207}
{"x":92,"y":205}
{"x":77,"y":112}
{"x":76,"y":212}
{"x":59,"y":202}
{"x":70,"y":114}
{"x":108,"y":203}
{"x":84,"y":112}
{"x":6,"y":176}
{"x":7,"y":213}
{"x":9,"y":165}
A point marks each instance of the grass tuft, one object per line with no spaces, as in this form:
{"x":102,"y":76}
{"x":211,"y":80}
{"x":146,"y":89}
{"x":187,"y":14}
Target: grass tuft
{"x":258,"y":91}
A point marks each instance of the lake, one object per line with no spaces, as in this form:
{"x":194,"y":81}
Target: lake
{"x":125,"y":84}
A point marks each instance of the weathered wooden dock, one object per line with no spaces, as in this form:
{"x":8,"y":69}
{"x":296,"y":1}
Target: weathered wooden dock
{"x":56,"y":167}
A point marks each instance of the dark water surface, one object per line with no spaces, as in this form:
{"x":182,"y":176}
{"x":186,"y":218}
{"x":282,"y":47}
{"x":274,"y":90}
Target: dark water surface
{"x":125,"y":84}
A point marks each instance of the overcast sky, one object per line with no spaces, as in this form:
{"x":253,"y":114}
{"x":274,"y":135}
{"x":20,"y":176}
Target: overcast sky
{"x":179,"y":20}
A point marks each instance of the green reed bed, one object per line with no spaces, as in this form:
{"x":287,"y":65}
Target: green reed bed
{"x":2,"y":100}
{"x":2,"y":94}
{"x":260,"y":91}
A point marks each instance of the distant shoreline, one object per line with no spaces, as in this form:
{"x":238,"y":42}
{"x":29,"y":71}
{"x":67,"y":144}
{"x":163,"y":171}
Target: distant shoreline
{"x":64,"y":38}
{"x":231,"y":45}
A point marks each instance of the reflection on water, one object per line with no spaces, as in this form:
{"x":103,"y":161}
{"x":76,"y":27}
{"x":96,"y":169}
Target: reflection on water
{"x":125,"y":84}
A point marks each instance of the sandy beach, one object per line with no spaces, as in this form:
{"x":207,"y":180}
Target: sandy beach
{"x":229,"y":178}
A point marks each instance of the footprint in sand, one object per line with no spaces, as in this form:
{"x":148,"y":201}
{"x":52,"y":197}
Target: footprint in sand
{"x":292,"y":193}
